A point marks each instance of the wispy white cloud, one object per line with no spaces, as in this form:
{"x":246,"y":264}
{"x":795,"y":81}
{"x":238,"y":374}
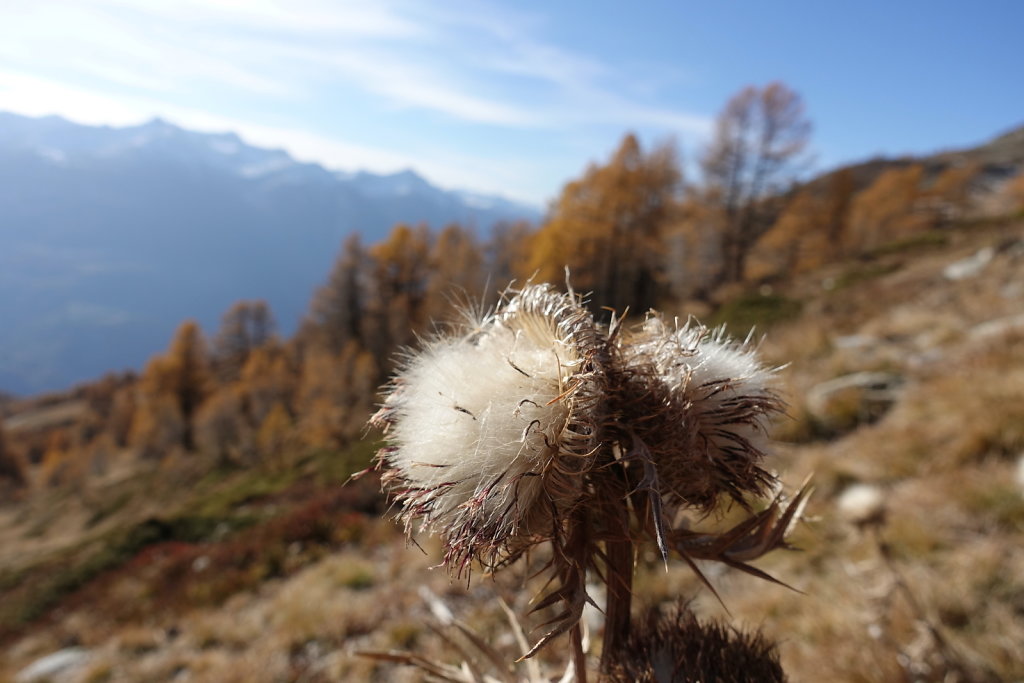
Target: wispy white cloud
{"x":471,"y":63}
{"x":123,"y":50}
{"x":406,"y":83}
{"x":377,"y":19}
{"x":414,"y":55}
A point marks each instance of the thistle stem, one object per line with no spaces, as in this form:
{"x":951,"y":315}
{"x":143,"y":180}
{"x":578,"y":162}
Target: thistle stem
{"x":619,"y":574}
{"x":578,"y":557}
{"x":579,"y":659}
{"x":618,"y":548}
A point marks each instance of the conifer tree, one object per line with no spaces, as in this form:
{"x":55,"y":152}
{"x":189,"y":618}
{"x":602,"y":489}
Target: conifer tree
{"x":221,"y":430}
{"x":950,"y":193}
{"x":507,"y":255}
{"x":171,"y":390}
{"x":274,"y":435}
{"x":119,"y":418}
{"x":607,"y":227}
{"x":808,"y":232}
{"x":456,"y":272}
{"x":887,"y":210}
{"x":335,"y":393}
{"x":321,"y":399}
{"x":267,"y":379}
{"x":337,"y":312}
{"x":797,"y":238}
{"x":55,"y":468}
{"x":399,"y":279}
{"x":759,"y":140}
{"x":839,"y":192}
{"x":1012,"y":194}
{"x":13,"y":473}
{"x":246,"y":326}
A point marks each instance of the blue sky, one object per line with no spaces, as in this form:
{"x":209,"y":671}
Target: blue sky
{"x":514,"y":97}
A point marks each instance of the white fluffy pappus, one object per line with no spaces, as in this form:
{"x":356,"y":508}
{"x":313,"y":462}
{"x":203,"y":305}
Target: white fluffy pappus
{"x":535,"y":424}
{"x":477,"y":422}
{"x":716,"y":399}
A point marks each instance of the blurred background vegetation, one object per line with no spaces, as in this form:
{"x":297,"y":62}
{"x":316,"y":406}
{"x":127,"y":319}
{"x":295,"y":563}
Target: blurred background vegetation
{"x":192,"y":517}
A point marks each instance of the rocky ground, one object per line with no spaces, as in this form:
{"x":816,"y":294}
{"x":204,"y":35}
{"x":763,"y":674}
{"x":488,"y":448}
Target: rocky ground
{"x":905,"y":380}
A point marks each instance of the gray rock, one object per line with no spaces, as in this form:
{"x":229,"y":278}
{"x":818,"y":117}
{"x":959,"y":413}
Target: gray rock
{"x":842,"y":403}
{"x":997,"y":327}
{"x":1020,"y":473}
{"x":862,"y":504}
{"x":854,"y":341}
{"x":970,"y":266}
{"x":63,"y":662}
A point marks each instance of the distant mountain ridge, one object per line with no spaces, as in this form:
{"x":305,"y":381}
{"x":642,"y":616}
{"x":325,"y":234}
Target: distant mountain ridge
{"x":109,"y":237}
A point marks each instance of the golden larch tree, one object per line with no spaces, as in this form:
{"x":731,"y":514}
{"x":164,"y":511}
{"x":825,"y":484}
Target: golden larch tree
{"x":275,"y":436}
{"x":607,"y":227}
{"x":397,"y":293}
{"x":222,"y":431}
{"x":268,"y":378}
{"x":887,"y":210}
{"x":337,"y":312}
{"x":809,"y":230}
{"x":245,"y":327}
{"x":13,"y":472}
{"x":335,"y":393}
{"x":950,"y":192}
{"x":456,"y":272}
{"x":56,"y":467}
{"x":507,"y":254}
{"x":171,"y":390}
{"x":797,"y":238}
{"x":756,"y":152}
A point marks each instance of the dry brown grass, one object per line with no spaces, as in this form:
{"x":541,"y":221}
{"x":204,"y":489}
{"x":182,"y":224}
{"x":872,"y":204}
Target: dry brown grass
{"x":936,"y":589}
{"x":946,"y":456}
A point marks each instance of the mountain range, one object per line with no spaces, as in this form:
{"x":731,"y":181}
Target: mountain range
{"x":110,"y":237}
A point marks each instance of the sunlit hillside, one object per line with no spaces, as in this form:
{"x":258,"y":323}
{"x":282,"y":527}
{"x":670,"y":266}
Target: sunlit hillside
{"x":197,"y":521}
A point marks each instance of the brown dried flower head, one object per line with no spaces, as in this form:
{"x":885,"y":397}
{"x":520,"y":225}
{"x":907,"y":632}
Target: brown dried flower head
{"x":699,"y":404}
{"x":679,"y":648}
{"x":536,"y":424}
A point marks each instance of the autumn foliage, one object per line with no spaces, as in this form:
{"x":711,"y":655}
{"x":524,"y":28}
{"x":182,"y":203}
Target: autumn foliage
{"x":13,"y":474}
{"x":607,"y":228}
{"x":631,"y":231}
{"x":759,"y":141}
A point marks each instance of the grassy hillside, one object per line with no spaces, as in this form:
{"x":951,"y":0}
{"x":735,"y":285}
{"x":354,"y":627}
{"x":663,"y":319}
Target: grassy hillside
{"x":904,"y":374}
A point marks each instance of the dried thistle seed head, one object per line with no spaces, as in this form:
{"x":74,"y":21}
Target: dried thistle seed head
{"x":678,"y":648}
{"x":489,"y":432}
{"x":701,"y":405}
